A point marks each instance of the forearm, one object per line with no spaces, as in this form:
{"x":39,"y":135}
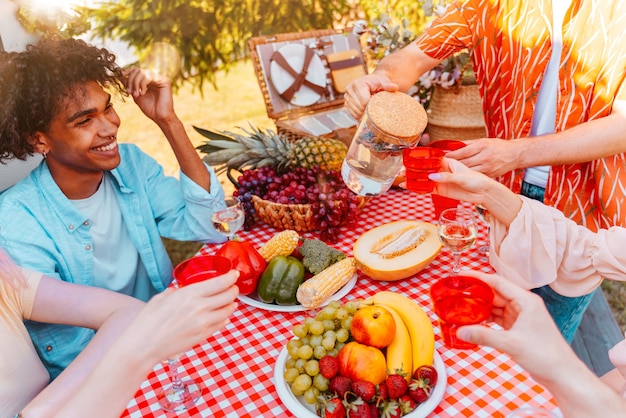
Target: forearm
{"x":110,"y":386}
{"x":58,"y":393}
{"x":585,"y":142}
{"x":501,"y":202}
{"x":187,"y":156}
{"x":405,"y":66}
{"x":579,"y":393}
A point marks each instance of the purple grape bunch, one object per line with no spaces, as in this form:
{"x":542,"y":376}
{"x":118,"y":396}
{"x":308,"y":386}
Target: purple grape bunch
{"x":332,"y":203}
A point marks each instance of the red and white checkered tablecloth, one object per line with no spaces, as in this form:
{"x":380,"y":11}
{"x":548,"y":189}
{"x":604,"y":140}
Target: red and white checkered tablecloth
{"x":237,"y":364}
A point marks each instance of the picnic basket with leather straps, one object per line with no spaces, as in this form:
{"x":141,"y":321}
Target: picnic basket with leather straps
{"x":303,"y":76}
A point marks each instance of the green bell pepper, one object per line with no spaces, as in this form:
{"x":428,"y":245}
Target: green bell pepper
{"x":280,"y":281}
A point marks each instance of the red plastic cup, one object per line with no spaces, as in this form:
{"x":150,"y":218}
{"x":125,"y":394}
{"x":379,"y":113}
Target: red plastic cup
{"x":447,"y":144}
{"x":419,"y":162}
{"x":441,"y":203}
{"x":457,"y":301}
{"x":200,"y":268}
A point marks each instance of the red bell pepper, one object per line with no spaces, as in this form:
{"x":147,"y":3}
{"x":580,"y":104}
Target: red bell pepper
{"x":245,"y":258}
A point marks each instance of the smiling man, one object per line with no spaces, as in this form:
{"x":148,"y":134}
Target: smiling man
{"x":94,"y":211}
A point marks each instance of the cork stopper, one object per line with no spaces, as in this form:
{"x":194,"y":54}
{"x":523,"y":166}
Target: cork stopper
{"x":397,"y":114}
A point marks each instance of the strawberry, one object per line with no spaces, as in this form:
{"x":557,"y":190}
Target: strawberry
{"x":331,"y":408}
{"x":365,"y":390}
{"x":396,"y":385}
{"x":419,"y":390}
{"x":391,"y":409}
{"x":407,"y":404}
{"x":426,"y":373}
{"x":358,"y":409}
{"x":383,"y":392}
{"x":340,"y":385}
{"x":329,"y":366}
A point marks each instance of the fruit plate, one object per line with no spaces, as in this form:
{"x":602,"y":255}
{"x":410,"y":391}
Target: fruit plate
{"x":301,"y":409}
{"x":253,"y":300}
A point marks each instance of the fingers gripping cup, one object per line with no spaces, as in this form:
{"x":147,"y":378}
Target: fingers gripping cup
{"x":457,"y":301}
{"x":392,"y":122}
{"x":419,"y":163}
{"x":199,"y":268}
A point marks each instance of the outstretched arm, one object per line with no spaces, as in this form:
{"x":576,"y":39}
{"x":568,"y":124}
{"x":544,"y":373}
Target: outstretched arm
{"x":59,"y":302}
{"x":532,"y":340}
{"x":101,"y":381}
{"x":153,"y":94}
{"x":533,"y":244}
{"x":588,"y":141}
{"x":460,"y":182}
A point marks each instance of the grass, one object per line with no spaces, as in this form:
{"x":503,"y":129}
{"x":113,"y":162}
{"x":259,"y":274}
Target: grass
{"x":237,"y":102}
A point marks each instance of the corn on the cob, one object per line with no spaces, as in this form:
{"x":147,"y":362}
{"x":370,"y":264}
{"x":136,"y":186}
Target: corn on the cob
{"x":318,"y":288}
{"x":282,"y":243}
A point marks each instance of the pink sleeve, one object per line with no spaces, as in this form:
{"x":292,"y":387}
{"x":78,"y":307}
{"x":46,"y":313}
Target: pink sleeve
{"x":542,"y":246}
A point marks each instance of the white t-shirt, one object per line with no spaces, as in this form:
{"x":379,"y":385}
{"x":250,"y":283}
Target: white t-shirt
{"x":545,"y":111}
{"x":117,"y":265}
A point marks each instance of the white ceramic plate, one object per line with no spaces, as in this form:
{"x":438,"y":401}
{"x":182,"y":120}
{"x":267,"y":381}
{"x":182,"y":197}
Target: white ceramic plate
{"x":253,"y":300}
{"x":301,"y":409}
{"x":282,"y":80}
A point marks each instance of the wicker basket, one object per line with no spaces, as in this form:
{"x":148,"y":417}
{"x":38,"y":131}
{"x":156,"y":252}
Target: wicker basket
{"x":298,"y":217}
{"x":285,"y":115}
{"x":456,"y":114}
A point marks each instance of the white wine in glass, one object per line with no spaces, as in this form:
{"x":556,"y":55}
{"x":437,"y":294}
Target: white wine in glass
{"x":457,"y":231}
{"x":229,"y":220}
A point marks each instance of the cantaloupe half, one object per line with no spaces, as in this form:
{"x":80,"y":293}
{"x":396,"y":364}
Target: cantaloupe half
{"x":396,"y":250}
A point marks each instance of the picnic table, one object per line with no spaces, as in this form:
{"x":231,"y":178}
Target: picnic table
{"x":237,"y":364}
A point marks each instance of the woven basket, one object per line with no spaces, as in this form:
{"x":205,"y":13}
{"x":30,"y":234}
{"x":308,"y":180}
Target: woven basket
{"x":298,"y":217}
{"x":284,"y":114}
{"x":456,"y":114}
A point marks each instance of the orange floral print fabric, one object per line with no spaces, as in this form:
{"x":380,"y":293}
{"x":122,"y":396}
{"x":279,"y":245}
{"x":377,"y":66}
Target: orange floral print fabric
{"x":510,"y":44}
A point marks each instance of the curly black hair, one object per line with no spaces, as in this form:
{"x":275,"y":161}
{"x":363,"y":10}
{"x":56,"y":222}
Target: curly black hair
{"x":34,"y":83}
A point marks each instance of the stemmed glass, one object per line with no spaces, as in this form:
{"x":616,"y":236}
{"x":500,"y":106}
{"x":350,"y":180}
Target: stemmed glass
{"x":482,"y":214}
{"x":229,"y":220}
{"x":457,"y":231}
{"x":181,"y":394}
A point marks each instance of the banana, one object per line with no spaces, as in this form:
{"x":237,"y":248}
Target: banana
{"x":417,"y":322}
{"x":399,"y":353}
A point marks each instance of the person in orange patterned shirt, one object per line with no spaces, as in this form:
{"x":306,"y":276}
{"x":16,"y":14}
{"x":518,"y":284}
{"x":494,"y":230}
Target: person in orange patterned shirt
{"x":513,"y":45}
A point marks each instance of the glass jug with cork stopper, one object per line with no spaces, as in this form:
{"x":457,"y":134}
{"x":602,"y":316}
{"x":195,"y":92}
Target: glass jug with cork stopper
{"x":391,"y":123}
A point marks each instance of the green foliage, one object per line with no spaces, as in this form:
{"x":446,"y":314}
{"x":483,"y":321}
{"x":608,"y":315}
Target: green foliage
{"x":211,"y":35}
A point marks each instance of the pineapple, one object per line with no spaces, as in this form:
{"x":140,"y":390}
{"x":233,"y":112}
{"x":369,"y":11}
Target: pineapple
{"x":259,"y":148}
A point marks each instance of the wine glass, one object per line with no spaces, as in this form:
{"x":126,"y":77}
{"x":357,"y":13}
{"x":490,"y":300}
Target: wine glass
{"x":182,"y":394}
{"x":229,"y":220}
{"x":483,"y":214}
{"x":457,"y":231}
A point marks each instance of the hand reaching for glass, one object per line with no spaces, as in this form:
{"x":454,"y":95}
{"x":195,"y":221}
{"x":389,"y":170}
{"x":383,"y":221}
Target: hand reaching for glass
{"x":457,"y":181}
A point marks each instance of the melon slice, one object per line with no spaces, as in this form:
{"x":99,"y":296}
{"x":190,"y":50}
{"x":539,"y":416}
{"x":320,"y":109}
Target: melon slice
{"x":396,"y":250}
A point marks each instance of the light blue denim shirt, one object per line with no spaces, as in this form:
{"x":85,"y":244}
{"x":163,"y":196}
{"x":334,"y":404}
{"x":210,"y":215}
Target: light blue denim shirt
{"x":42,"y":230}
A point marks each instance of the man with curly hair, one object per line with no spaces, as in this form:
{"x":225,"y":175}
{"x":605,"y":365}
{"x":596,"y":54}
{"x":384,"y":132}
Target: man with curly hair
{"x":94,"y":211}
